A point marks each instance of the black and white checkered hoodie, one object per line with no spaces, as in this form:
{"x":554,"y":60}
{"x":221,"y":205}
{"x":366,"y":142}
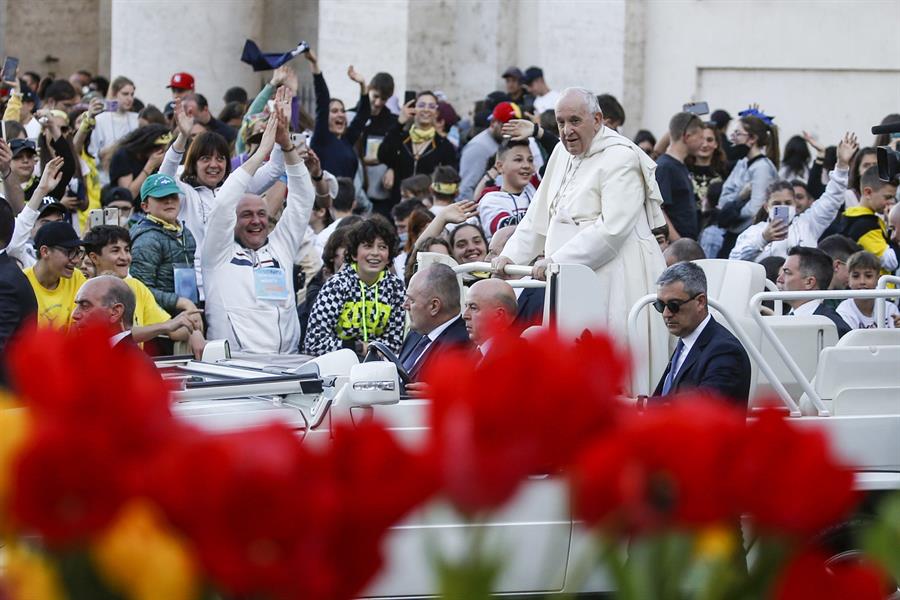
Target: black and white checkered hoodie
{"x":335,"y":320}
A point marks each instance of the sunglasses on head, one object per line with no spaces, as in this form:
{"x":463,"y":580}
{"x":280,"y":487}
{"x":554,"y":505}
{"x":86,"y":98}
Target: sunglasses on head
{"x":673,"y":305}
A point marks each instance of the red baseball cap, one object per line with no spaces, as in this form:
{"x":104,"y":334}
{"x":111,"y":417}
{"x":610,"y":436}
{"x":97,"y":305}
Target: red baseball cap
{"x":506,"y":111}
{"x":182,"y":81}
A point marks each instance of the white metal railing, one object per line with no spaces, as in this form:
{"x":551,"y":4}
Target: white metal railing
{"x":739,"y":333}
{"x":771,"y":286}
{"x":883,"y":282}
{"x":757,"y":300}
{"x":511,"y":270}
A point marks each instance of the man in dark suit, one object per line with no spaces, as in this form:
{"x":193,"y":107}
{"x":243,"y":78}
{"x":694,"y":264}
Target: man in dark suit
{"x":707,"y":356}
{"x":18,"y":305}
{"x":809,"y":269}
{"x":432,"y":302}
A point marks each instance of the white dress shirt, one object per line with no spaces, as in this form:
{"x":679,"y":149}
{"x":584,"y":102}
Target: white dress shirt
{"x":433,"y":335}
{"x":689,"y":340}
{"x":807,"y":308}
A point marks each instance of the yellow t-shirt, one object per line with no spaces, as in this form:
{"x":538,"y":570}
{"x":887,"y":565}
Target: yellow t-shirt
{"x":146,"y":309}
{"x":55,"y":306}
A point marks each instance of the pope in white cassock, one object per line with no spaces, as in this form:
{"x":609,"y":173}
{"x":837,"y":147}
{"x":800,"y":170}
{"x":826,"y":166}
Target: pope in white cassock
{"x":596,"y":206}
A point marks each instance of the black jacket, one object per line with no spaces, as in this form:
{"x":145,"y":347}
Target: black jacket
{"x":717,"y":362}
{"x":454,"y":336}
{"x":531,"y":308}
{"x":827,"y":311}
{"x":18,"y":305}
{"x":396,"y":152}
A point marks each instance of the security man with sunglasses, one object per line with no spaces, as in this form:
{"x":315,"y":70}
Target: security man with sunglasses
{"x":707,"y":356}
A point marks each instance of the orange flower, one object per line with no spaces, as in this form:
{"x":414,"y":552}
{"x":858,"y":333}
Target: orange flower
{"x":14,"y":424}
{"x":29,"y":576}
{"x":143,"y":558}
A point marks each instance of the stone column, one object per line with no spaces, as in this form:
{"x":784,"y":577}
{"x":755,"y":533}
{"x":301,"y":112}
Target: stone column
{"x":153,"y":39}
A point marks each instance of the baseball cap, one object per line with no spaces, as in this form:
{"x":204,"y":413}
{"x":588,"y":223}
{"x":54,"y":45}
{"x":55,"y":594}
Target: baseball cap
{"x":57,"y":233}
{"x":113,"y":194}
{"x":181,"y":81}
{"x":18,"y":146}
{"x":532,"y":73}
{"x":505,"y":111}
{"x":29,"y":96}
{"x":49,"y":204}
{"x":513,"y":72}
{"x":158,"y":186}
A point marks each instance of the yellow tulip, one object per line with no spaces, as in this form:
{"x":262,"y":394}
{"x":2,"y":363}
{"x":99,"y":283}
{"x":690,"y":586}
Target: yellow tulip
{"x":30,"y":576}
{"x":141,"y":556}
{"x":14,"y":424}
{"x":716,"y":543}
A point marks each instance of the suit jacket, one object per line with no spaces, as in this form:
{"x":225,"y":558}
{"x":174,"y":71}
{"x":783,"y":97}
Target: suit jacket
{"x":454,"y":336}
{"x":531,"y":308}
{"x":18,"y":305}
{"x":827,"y":311}
{"x":717,"y":362}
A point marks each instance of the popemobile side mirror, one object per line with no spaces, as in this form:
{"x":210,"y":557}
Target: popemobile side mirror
{"x":215,"y":350}
{"x":373,"y":383}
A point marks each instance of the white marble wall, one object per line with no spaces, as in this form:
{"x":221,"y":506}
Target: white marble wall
{"x":152,"y":39}
{"x":819,"y":66}
{"x":816,"y":65}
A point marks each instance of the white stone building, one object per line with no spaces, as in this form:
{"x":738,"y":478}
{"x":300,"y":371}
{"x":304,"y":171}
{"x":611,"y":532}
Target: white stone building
{"x":818,"y":65}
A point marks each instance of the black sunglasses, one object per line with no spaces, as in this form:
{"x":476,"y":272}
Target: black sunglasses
{"x":673,"y":305}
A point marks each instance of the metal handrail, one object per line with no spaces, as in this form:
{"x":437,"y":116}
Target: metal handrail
{"x":771,"y":286}
{"x":883,"y":282}
{"x":757,"y":300}
{"x":739,"y":333}
{"x":514,"y":270}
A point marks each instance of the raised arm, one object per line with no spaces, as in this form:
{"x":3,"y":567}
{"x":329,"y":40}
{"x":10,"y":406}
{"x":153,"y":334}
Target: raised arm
{"x":11,"y":185}
{"x":183,"y":125}
{"x":289,"y":231}
{"x":323,"y":97}
{"x":823,"y":211}
{"x":220,"y":230}
{"x":87,"y":124}
{"x":365,"y":110}
{"x":26,"y":219}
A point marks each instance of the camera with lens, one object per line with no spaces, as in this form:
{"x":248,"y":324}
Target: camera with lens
{"x":888,"y":156}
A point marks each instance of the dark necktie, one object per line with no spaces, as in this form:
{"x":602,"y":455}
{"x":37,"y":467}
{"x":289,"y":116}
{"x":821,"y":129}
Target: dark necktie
{"x":416,"y":352}
{"x":670,"y":376}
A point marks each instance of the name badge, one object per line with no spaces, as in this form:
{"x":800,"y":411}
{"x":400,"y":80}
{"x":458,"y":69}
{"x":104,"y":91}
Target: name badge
{"x":186,"y":282}
{"x":270,"y":284}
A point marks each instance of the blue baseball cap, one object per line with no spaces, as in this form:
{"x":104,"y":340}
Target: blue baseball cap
{"x":158,"y":186}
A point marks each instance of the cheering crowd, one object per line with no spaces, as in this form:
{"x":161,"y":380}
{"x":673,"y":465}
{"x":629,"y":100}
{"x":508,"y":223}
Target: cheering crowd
{"x":284,"y":232}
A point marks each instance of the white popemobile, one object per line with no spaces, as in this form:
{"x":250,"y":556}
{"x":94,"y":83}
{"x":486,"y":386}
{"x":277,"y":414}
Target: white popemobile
{"x":849,"y":388}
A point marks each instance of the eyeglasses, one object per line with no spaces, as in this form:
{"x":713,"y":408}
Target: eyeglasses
{"x":673,"y":305}
{"x":71,"y":253}
{"x":430,"y":105}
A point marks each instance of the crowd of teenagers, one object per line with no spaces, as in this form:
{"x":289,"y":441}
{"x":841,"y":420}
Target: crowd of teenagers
{"x":283,"y":231}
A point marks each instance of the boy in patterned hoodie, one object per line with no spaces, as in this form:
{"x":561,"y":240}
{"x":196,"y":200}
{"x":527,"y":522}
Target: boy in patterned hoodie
{"x":363,"y":302}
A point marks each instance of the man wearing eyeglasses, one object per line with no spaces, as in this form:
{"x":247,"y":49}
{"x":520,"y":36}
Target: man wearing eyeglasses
{"x":55,"y":277}
{"x":707,"y":356}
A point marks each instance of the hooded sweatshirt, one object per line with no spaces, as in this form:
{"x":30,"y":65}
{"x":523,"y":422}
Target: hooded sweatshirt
{"x":347,"y":310}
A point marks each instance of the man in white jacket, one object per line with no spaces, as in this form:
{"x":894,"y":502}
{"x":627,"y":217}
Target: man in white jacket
{"x":248,"y":272}
{"x":596,"y":206}
{"x":803,"y":227}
